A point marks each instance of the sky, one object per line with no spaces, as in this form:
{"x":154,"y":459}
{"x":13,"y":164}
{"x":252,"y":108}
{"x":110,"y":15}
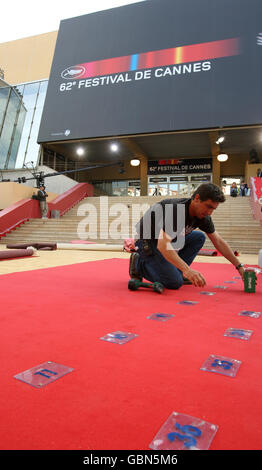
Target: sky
{"x":24,"y":18}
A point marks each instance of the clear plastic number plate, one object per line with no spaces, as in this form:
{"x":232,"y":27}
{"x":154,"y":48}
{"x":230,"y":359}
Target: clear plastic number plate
{"x":238,"y":333}
{"x":44,"y":374}
{"x":160,"y":316}
{"x":249,"y":313}
{"x":221,"y":365}
{"x":183,"y":432}
{"x":119,"y":337}
{"x":207,"y":293}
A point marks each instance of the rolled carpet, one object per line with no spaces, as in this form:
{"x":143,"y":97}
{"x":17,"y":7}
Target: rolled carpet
{"x":38,"y":246}
{"x":208,"y":252}
{"x":6,"y":254}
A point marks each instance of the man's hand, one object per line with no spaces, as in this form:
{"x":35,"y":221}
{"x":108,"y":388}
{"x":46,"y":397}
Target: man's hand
{"x":129,"y":245}
{"x":242,"y":272}
{"x":165,"y":247}
{"x":195,"y":277}
{"x":225,"y":250}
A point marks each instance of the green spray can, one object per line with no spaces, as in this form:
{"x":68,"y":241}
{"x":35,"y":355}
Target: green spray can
{"x":250,"y":280}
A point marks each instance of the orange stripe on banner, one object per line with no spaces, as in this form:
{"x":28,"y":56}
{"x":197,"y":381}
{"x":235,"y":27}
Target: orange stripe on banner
{"x":178,"y":54}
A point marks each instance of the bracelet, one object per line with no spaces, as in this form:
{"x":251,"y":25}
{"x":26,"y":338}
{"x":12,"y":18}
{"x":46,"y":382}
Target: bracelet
{"x":239,"y":266}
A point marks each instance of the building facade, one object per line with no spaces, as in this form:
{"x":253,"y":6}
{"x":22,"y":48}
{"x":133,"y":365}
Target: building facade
{"x":113,"y":80}
{"x":25,"y":68}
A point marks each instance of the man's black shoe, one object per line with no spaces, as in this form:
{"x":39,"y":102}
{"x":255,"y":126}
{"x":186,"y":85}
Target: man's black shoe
{"x":132,"y":267}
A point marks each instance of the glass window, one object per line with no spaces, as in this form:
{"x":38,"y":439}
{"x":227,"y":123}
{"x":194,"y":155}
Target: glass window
{"x":134,"y":188}
{"x":42,"y":94}
{"x":193,"y":187}
{"x":33,"y":97}
{"x":104,"y":186}
{"x":18,"y":142}
{"x":36,"y":118}
{"x":152,"y":189}
{"x":162,"y":189}
{"x":17,"y":137}
{"x":119,"y":188}
{"x":30,"y":94}
{"x":183,"y":190}
{"x":133,"y":191}
{"x":173,"y":189}
{"x":32,"y":150}
{"x":4,"y":92}
{"x":22,"y":150}
{"x":25,"y":137}
{"x":8,"y":127}
{"x":20,"y":89}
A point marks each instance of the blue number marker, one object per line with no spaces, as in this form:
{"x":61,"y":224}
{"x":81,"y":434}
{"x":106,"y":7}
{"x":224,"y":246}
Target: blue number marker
{"x":188,"y":438}
{"x":225,"y":364}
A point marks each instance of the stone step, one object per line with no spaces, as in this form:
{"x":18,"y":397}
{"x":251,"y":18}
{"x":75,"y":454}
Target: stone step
{"x":70,"y":223}
{"x":126,"y":233}
{"x":74,"y":235}
{"x":135,"y":213}
{"x":219,"y":210}
{"x":231,"y":233}
{"x":233,"y":220}
{"x":236,"y":246}
{"x":5,"y":240}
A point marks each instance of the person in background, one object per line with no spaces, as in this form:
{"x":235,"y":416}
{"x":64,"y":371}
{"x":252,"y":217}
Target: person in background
{"x":259,"y":173}
{"x":233,"y":190}
{"x":243,"y":189}
{"x":155,"y":191}
{"x":41,"y":196}
{"x":223,"y":186}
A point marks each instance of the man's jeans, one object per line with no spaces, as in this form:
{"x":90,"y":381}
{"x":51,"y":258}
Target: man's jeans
{"x":155,"y":268}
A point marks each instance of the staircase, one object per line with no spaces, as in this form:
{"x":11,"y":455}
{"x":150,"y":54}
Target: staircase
{"x":233,"y":221}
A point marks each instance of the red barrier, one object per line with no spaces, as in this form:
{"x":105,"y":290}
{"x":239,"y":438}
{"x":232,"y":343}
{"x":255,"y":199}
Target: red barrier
{"x":256,"y":197}
{"x":70,"y":198}
{"x":18,"y":214}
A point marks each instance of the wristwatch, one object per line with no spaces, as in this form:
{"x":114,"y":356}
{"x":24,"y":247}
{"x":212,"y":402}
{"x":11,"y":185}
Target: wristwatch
{"x":239,"y":266}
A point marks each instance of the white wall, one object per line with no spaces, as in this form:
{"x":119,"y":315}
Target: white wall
{"x":10,"y":193}
{"x":55,"y":184}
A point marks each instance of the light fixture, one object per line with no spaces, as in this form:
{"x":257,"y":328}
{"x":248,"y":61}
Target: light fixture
{"x":220,"y":140}
{"x":222,"y":157}
{"x":114,"y":147}
{"x":135,"y":162}
{"x":80,"y":151}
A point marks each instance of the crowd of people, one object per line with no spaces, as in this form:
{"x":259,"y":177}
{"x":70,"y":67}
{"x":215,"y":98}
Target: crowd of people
{"x":243,"y":189}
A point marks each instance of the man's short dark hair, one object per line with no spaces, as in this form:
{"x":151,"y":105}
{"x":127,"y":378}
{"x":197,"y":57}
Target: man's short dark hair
{"x":209,"y":191}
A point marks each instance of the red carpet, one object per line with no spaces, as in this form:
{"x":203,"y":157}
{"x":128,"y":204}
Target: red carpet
{"x":118,"y":396}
